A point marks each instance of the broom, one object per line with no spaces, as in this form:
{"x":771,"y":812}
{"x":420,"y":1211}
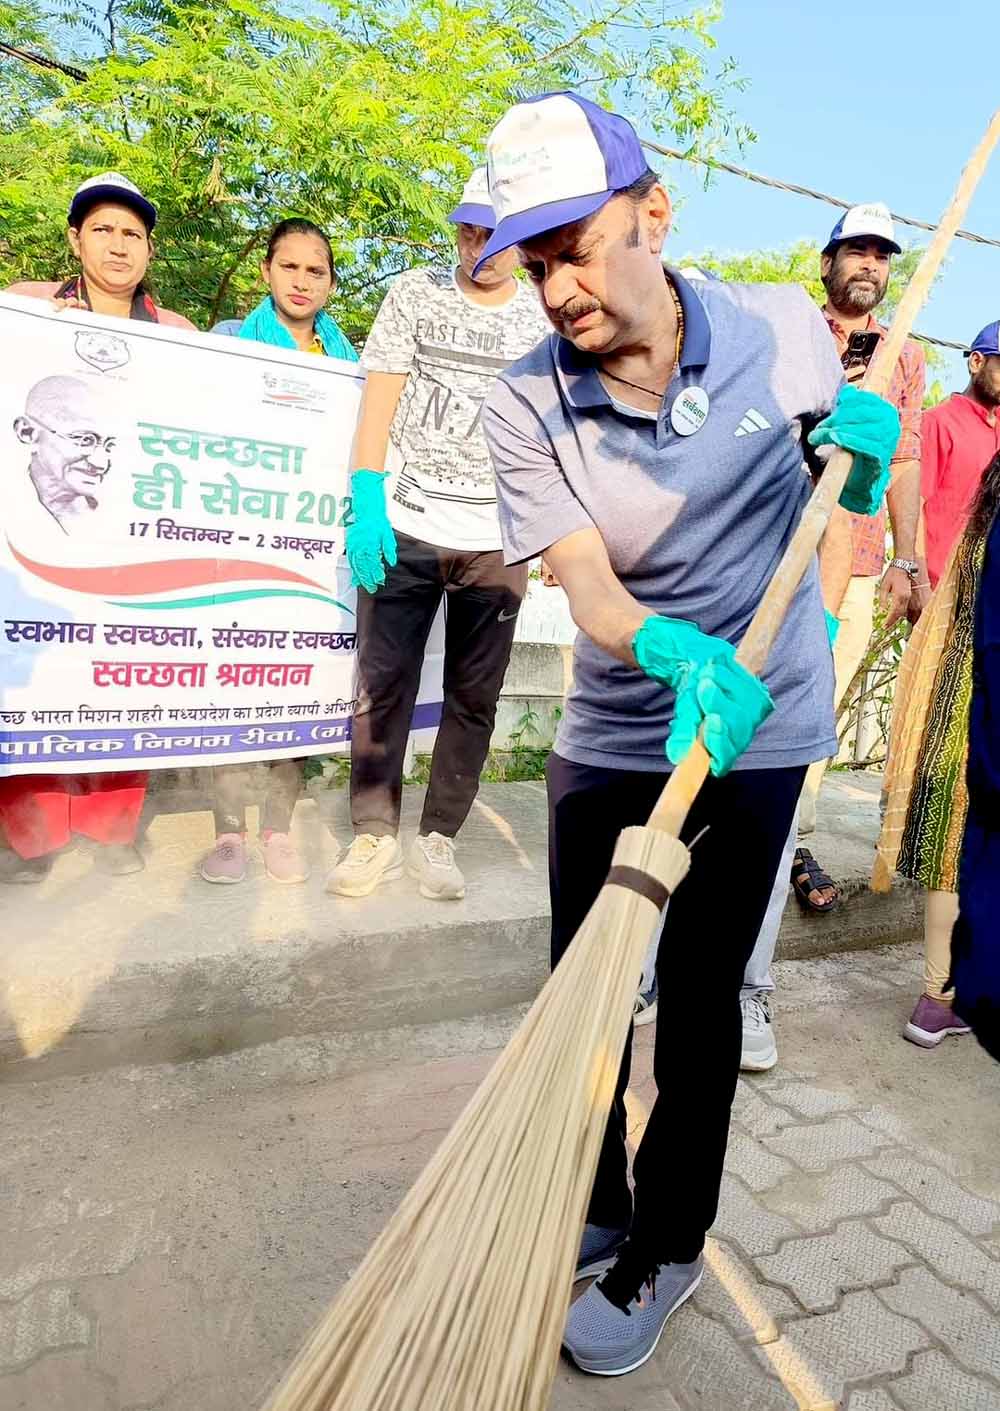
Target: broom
{"x":461,"y":1302}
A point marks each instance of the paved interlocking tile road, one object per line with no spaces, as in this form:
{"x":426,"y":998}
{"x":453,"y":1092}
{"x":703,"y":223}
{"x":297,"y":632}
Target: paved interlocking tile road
{"x":168,"y":1235}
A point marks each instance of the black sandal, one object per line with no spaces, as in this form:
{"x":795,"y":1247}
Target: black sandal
{"x":809,"y":877}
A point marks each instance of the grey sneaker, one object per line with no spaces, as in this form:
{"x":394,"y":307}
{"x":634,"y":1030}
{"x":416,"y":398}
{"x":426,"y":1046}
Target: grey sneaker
{"x":615,"y":1326}
{"x":644,"y":1008}
{"x":598,"y":1250}
{"x":432,"y":862}
{"x":760,"y":1051}
{"x":366,"y":863}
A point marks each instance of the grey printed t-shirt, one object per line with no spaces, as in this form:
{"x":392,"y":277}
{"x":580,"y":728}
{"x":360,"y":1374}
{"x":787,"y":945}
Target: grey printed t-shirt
{"x":451,"y":349}
{"x":694,"y":525}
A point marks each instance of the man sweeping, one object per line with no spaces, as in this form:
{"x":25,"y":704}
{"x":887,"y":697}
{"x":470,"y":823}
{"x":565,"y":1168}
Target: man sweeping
{"x":651,"y":448}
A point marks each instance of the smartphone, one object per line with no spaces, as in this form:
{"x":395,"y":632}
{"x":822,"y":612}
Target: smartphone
{"x":858,"y":353}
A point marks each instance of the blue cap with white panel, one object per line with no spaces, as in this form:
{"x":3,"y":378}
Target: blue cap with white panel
{"x":475,"y":207}
{"x":554,"y":160}
{"x":869,"y":222}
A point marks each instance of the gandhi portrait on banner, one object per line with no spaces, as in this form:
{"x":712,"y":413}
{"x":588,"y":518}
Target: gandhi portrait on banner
{"x":66,"y":426}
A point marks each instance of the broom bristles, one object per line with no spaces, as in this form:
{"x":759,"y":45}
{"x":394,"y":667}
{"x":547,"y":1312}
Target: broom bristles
{"x":460,"y":1304}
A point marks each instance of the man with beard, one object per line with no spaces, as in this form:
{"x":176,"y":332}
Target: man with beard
{"x":960,"y":438}
{"x":854,"y":268}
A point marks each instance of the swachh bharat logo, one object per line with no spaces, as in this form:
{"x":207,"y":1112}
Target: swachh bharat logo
{"x":293,"y":392}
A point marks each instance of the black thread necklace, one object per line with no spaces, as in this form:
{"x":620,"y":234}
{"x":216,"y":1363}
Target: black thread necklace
{"x":651,"y":391}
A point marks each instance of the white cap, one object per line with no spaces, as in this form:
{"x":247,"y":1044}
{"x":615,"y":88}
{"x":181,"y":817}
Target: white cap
{"x":475,"y":207}
{"x":871,"y":221}
{"x":110,"y":186}
{"x":555,"y":160}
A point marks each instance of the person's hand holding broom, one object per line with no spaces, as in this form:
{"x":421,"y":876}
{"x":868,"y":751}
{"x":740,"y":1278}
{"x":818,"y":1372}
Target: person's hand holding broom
{"x":461,"y":1303}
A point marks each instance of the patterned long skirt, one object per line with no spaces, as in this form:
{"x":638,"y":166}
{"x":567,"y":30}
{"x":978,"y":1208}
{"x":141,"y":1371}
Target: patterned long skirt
{"x":935,"y":823}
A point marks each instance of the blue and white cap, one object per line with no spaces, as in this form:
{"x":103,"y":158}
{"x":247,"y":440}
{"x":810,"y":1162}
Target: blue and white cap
{"x":987,"y":341}
{"x":872,"y":222}
{"x":110,"y":186}
{"x":554,"y":160}
{"x":474,"y":207}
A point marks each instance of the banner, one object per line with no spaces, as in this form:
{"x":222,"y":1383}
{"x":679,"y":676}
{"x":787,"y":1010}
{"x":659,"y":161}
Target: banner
{"x":173,"y":584}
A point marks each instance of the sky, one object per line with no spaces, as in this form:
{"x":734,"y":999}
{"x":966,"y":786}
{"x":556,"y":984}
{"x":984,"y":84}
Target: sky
{"x":877,"y":101}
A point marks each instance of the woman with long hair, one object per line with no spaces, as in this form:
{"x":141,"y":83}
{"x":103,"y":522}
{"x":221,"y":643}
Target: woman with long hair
{"x":976,"y":940}
{"x":299,"y":273}
{"x":109,"y":231}
{"x":926,"y":787}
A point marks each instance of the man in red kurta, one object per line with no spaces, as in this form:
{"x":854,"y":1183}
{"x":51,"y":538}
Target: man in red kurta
{"x":960,"y":438}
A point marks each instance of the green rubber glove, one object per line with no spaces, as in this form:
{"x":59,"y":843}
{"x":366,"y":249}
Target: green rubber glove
{"x":712,"y":689}
{"x":832,"y":626}
{"x":371,"y":544}
{"x":869,"y":427}
{"x":730,"y":704}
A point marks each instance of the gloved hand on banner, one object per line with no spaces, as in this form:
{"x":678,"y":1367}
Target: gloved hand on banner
{"x":371,"y":544}
{"x":868,"y":426}
{"x":711,"y":687}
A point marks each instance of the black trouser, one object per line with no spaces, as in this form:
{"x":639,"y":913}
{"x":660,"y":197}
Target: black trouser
{"x":712,"y":924}
{"x":482,"y":600}
{"x":232,"y":789}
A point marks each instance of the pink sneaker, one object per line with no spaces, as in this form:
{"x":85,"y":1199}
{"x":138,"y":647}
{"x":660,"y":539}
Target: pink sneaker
{"x":932,"y":1021}
{"x":282,"y":860}
{"x":227,"y":862}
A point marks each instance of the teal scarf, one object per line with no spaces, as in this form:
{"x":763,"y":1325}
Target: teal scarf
{"x":264,"y":326}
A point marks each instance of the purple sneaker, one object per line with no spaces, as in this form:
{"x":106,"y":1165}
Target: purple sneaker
{"x":932,"y":1021}
{"x":227,"y":862}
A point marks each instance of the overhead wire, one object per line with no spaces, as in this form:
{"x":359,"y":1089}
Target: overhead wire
{"x":716,"y":163}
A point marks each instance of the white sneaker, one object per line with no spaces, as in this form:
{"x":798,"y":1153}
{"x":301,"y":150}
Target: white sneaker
{"x":432,"y":862}
{"x":760,"y":1052}
{"x":366,"y":863}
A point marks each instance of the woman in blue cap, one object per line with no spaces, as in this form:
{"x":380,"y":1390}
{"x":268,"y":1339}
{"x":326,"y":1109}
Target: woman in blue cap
{"x":109,"y":229}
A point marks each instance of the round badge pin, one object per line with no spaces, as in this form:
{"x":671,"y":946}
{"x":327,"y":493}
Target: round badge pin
{"x":689,"y":411}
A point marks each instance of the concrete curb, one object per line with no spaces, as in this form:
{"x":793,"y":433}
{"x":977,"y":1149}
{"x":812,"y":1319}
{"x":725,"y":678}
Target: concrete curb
{"x":162,"y":967}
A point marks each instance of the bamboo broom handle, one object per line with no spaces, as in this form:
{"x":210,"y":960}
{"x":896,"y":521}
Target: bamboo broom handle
{"x":682,"y":788}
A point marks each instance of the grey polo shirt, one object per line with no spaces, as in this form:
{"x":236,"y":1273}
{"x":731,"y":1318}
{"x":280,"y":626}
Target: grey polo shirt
{"x":694,"y":524}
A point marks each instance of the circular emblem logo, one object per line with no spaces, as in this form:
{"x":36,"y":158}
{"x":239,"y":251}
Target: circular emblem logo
{"x":689,"y":411}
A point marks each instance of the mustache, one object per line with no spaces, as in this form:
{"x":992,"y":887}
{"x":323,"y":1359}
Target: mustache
{"x":578,"y":308}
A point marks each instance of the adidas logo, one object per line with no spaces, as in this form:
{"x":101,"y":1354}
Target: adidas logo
{"x":752,"y":421}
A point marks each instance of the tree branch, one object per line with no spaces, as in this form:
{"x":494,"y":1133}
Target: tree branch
{"x":223,"y":288}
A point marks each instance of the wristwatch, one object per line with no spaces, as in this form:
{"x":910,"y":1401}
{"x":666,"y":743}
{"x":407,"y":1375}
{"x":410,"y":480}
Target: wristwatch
{"x":909,"y":566}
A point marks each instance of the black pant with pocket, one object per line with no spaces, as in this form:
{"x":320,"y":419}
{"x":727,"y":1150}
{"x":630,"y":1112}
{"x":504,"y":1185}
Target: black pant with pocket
{"x":482,"y":597}
{"x":711,"y":928}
